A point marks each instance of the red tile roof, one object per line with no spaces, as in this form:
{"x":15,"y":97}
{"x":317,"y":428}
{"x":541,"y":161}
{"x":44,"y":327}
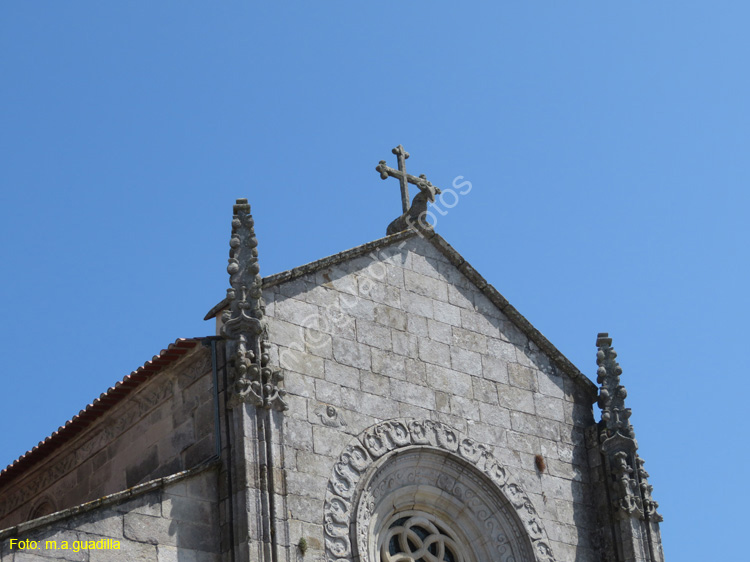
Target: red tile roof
{"x":99,"y":406}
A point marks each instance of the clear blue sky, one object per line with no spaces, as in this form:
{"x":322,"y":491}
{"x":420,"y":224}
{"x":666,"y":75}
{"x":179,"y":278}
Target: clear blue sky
{"x":607,"y":145}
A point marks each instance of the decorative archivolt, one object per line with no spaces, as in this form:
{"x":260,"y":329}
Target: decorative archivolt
{"x":399,"y":466}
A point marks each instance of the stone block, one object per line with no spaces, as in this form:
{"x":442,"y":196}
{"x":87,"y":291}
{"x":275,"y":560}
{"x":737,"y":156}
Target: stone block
{"x":426,"y":286}
{"x":179,"y":440}
{"x":295,"y":288}
{"x":199,"y":452}
{"x":358,"y":307}
{"x":297,"y":312}
{"x":145,"y":504}
{"x":502,"y":350}
{"x":394,"y":276}
{"x":484,"y":390}
{"x":105,"y":523}
{"x":417,"y":325}
{"x":377,"y":291}
{"x":523,"y":443}
{"x":426,"y":266}
{"x":201,"y":487}
{"x":442,"y":402}
{"x":489,"y":434}
{"x":298,"y":432}
{"x":173,"y":554}
{"x":140,"y":467}
{"x":299,"y":384}
{"x":471,"y":341}
{"x":405,"y":344}
{"x":341,"y":374}
{"x":374,"y":335}
{"x":549,"y":429}
{"x":329,"y":441}
{"x":550,"y":385}
{"x":352,"y":354}
{"x":314,"y":463}
{"x":186,"y":509}
{"x":466,"y":361}
{"x":285,"y":333}
{"x":471,"y":320}
{"x":447,"y":313}
{"x":318,"y":343}
{"x":417,"y":304}
{"x":306,"y":484}
{"x":464,"y":408}
{"x":373,"y":383}
{"x":416,"y":370}
{"x":494,"y":415}
{"x":403,"y":391}
{"x":548,"y":407}
{"x":390,"y":317}
{"x":318,"y":295}
{"x":449,"y":381}
{"x":549,"y":449}
{"x":388,"y":364}
{"x":434,"y":352}
{"x":514,"y":398}
{"x":150,"y":530}
{"x":301,"y":362}
{"x":379,"y":407}
{"x":524,"y":423}
{"x":439,"y":331}
{"x":522,"y":377}
{"x":494,"y":369}
{"x":485,"y":306}
{"x":460,"y":297}
{"x":304,"y":508}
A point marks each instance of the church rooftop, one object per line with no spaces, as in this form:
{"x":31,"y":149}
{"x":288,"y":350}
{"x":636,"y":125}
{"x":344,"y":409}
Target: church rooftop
{"x":462,"y":265}
{"x":107,"y":400}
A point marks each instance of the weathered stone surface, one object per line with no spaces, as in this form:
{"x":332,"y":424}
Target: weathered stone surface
{"x":132,"y":529}
{"x":413,"y":339}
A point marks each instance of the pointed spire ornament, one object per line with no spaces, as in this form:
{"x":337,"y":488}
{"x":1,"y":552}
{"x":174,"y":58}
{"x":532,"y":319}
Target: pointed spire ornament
{"x":631,"y":491}
{"x":244,"y":326}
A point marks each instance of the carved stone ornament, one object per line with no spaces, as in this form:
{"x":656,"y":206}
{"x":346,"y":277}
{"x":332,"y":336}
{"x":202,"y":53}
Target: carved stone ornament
{"x":422,"y":472}
{"x":330,"y":416}
{"x":631,"y":492}
{"x":414,"y":215}
{"x":253,"y":380}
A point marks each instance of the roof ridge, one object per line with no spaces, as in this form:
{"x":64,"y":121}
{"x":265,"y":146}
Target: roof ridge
{"x":464,"y":267}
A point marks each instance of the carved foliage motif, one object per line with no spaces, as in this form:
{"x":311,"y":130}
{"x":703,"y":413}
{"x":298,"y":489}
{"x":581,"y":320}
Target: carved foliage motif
{"x":363,"y":452}
{"x":244,"y":327}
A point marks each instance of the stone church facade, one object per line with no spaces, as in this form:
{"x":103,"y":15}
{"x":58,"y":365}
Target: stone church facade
{"x":385,"y":404}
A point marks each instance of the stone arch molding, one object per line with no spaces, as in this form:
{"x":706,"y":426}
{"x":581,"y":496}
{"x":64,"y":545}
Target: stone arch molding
{"x":396,"y":461}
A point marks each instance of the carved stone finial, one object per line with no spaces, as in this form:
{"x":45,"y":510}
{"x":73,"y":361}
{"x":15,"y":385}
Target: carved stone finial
{"x":414,"y":214}
{"x":631,"y":491}
{"x":244,"y":326}
{"x":612,"y":394}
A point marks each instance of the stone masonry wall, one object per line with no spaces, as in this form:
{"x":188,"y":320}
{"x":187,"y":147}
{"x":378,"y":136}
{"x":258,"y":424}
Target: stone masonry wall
{"x":175,"y":522}
{"x":165,"y":426}
{"x":403,"y":334}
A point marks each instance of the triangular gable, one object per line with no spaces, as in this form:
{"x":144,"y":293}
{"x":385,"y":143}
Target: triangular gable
{"x":445,"y":249}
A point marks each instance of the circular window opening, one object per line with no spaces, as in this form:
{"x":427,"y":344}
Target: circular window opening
{"x":416,"y":536}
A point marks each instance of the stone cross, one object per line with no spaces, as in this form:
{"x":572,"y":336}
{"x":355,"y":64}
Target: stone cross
{"x":404,"y":178}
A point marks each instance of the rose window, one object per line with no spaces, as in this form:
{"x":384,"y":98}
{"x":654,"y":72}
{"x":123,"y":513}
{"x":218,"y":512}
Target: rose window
{"x":418,"y":537}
